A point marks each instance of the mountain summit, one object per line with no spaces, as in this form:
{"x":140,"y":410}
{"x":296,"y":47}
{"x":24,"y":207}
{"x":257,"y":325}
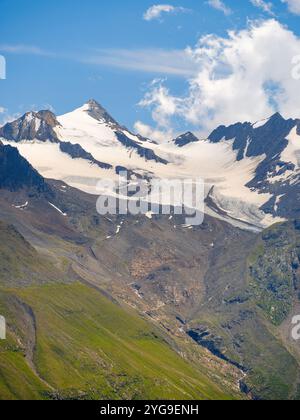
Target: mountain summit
{"x":95,"y":110}
{"x":31,"y":126}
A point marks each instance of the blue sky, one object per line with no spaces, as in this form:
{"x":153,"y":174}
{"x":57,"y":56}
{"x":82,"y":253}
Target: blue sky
{"x":60,"y":53}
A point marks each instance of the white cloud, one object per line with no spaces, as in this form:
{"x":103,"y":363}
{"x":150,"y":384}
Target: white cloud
{"x":266,"y":6}
{"x":164,"y":104}
{"x":154,"y":134}
{"x":245,"y":76}
{"x":293,"y":5}
{"x":6,"y":117}
{"x":220,"y":5}
{"x":155,"y":12}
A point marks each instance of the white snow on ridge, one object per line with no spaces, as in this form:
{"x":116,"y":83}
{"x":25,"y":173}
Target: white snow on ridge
{"x":51,"y":163}
{"x":149,"y":215}
{"x":216,"y":163}
{"x":22,"y":206}
{"x":292,"y":151}
{"x":260,"y":123}
{"x":277,"y":201}
{"x":99,"y":139}
{"x":79,"y":127}
{"x":29,"y":117}
{"x":57,"y":209}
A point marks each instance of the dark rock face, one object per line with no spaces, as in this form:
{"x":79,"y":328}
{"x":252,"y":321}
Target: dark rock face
{"x":269,"y":141}
{"x":48,"y":117}
{"x":77,"y":152}
{"x":32,"y":126}
{"x":99,"y":113}
{"x":16,"y":173}
{"x":185,"y":139}
{"x":249,"y":141}
{"x":297,"y":224}
{"x":143,"y":152}
{"x":212,"y":343}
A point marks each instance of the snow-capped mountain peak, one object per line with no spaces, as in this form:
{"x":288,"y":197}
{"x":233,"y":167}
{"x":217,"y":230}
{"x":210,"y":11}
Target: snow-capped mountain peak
{"x":95,"y":130}
{"x":81,"y":147}
{"x":31,"y":126}
{"x":251,"y":170}
{"x":96,"y":111}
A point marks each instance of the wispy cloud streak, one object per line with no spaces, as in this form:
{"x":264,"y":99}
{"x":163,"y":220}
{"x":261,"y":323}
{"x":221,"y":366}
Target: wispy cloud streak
{"x":25,"y":50}
{"x":159,"y":61}
{"x":221,"y":6}
{"x":171,"y":62}
{"x":265,"y":6}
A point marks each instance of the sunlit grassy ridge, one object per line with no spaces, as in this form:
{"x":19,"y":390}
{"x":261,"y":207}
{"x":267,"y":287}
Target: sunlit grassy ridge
{"x":17,"y":381}
{"x":89,"y":347}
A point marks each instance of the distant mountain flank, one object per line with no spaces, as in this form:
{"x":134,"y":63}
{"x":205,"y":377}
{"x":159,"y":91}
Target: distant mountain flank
{"x":17,"y":173}
{"x":277,"y":141}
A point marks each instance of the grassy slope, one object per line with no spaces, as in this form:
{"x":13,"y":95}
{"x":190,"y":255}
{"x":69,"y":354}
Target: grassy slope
{"x":66,"y":340}
{"x":88,"y":347}
{"x":17,"y":379}
{"x":71,"y":357}
{"x":20,"y":264}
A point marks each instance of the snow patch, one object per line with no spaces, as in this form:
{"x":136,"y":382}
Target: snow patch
{"x":277,"y":201}
{"x":119,"y":227}
{"x":292,"y":151}
{"x":187,"y":226}
{"x":149,"y":214}
{"x":260,"y":123}
{"x":21,"y":207}
{"x":57,"y":209}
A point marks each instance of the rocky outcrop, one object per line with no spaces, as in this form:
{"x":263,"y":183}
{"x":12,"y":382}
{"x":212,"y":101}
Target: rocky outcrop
{"x":142,"y":151}
{"x":268,"y":140}
{"x":97,"y":112}
{"x":77,"y":152}
{"x":212,"y":343}
{"x":185,"y":139}
{"x":17,"y":173}
{"x":31,"y":126}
